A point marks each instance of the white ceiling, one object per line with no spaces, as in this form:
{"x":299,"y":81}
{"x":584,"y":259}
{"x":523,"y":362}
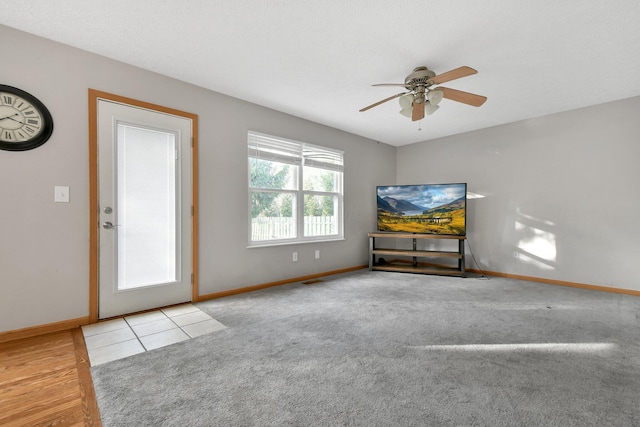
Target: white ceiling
{"x":317,"y":59}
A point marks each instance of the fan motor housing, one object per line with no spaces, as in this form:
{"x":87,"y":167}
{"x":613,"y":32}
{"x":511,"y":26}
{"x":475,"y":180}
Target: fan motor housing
{"x":419,"y":76}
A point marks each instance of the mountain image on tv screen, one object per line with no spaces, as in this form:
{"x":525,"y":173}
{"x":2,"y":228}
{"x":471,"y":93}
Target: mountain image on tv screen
{"x":425,"y":209}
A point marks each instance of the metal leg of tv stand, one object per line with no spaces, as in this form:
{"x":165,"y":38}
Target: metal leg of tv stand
{"x":372,"y":258}
{"x":461,"y":260}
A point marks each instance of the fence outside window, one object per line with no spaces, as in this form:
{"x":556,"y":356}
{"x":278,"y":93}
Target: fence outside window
{"x":272,"y":228}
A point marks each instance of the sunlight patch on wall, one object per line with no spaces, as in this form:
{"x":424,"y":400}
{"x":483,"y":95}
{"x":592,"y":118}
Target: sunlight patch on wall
{"x":536,"y":244}
{"x":471,"y":195}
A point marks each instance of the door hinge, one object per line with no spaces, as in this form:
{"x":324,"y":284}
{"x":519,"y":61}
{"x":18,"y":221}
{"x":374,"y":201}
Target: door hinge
{"x":176,"y":154}
{"x":192,"y":278}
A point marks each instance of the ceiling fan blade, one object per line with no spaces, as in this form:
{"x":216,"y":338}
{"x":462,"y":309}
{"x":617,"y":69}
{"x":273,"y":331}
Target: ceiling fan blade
{"x":464,"y":97}
{"x":383,"y":101}
{"x":452,"y":75}
{"x":391,"y":84}
{"x":418,"y":112}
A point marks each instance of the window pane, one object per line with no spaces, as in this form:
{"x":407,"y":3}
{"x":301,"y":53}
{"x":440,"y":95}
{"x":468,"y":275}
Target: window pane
{"x":295,"y":190}
{"x":320,"y":215}
{"x":273,"y":175}
{"x":272,"y":215}
{"x":147,"y":193}
{"x":316,"y":179}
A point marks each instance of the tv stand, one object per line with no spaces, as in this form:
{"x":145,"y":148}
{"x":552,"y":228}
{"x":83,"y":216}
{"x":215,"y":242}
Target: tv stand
{"x":413,"y":265}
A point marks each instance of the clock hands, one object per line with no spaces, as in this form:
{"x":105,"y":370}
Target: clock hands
{"x":11,"y":118}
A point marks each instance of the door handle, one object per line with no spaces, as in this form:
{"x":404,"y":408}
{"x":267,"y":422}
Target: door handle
{"x":108,"y":225}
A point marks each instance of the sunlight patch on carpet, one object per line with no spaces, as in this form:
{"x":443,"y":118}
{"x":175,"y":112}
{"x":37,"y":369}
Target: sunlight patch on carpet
{"x":589,"y":347}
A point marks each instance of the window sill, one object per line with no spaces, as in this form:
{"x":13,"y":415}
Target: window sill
{"x":296,"y":242}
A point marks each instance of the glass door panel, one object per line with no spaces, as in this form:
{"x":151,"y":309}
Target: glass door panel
{"x":147,"y":215}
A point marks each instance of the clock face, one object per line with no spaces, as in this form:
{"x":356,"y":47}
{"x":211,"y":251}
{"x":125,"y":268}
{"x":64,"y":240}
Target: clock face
{"x":25,"y":123}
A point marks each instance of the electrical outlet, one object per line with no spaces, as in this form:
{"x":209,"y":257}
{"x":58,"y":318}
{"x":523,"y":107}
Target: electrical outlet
{"x":295,"y":256}
{"x":317,"y":253}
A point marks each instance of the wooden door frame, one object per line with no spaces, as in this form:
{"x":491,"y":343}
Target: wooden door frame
{"x":94,"y":220}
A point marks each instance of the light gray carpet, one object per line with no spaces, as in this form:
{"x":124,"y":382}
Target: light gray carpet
{"x":389,"y":349}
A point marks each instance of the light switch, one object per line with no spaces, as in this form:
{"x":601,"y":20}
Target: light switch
{"x":61,"y":194}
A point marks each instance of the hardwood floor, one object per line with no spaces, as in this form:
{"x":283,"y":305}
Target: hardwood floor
{"x":46,"y":381}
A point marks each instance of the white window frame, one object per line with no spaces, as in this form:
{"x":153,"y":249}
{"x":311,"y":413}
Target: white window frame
{"x":274,"y":148}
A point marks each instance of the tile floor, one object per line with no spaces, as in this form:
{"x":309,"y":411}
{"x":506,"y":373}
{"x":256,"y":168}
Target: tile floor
{"x":119,"y":338}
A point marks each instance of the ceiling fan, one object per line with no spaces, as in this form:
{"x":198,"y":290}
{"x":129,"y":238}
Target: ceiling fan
{"x":421,"y":97}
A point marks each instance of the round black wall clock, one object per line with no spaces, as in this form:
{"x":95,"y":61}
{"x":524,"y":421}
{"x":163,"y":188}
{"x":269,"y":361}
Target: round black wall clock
{"x":25,"y":123}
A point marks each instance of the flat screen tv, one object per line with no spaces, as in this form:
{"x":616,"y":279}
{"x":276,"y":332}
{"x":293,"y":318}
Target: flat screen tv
{"x":425,"y":209}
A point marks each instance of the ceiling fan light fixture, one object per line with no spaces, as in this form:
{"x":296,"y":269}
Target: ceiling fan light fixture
{"x":435,"y":96}
{"x":406,"y":101}
{"x":430,"y":108}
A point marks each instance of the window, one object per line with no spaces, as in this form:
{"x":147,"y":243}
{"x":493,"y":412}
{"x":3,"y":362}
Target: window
{"x":295,"y":191}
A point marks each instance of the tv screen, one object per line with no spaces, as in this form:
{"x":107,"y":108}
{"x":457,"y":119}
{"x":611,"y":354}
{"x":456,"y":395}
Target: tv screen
{"x":425,"y":209}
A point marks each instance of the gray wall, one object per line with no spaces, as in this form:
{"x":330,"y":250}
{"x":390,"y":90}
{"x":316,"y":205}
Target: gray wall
{"x":44,"y":246}
{"x":560,"y":192}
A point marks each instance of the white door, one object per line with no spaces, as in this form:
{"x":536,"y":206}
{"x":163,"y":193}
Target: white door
{"x":144,"y":201}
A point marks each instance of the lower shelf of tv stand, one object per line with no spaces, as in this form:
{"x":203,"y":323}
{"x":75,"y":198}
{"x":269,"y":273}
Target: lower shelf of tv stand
{"x":419,"y":269}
